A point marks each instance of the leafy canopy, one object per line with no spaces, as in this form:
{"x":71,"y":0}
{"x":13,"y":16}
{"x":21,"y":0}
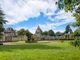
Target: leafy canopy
{"x":68,"y":29}
{"x":2,"y":22}
{"x":73,"y":6}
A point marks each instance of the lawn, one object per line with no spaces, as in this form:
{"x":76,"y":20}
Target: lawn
{"x":46,"y":50}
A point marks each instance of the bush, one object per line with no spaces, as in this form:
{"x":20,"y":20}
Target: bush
{"x":30,"y":41}
{"x":77,"y":32}
{"x":76,"y":42}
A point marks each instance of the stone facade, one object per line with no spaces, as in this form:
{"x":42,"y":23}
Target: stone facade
{"x":38,"y":36}
{"x":8,"y":34}
{"x":11,"y":35}
{"x":38,"y":31}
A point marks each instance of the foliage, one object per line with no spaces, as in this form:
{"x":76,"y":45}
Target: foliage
{"x":73,"y":6}
{"x":77,"y":23}
{"x":76,"y":42}
{"x":68,"y":29}
{"x":22,"y":32}
{"x":59,"y":34}
{"x":2,"y":22}
{"x":51,"y":33}
{"x":28,"y":34}
{"x":77,"y":32}
{"x":45,"y":33}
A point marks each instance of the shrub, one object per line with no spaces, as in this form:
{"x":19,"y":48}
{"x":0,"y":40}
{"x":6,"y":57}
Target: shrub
{"x":76,"y":42}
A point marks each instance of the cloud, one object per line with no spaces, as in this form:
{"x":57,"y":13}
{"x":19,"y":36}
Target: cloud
{"x":20,"y":10}
{"x":61,"y":14}
{"x":18,"y":28}
{"x":32,"y":29}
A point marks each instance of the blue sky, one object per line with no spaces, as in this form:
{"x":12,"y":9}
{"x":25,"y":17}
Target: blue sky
{"x":28,"y":14}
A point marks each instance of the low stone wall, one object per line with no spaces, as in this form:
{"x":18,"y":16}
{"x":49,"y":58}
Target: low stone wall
{"x":11,"y":39}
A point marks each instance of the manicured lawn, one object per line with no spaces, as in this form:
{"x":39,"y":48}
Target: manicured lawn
{"x":52,"y":50}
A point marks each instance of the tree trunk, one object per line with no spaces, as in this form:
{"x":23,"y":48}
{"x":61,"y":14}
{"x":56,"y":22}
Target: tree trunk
{"x":28,"y":39}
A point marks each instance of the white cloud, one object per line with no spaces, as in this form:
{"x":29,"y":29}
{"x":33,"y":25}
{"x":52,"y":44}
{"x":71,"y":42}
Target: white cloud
{"x":18,"y":28}
{"x":46,"y":27}
{"x":20,"y":10}
{"x":32,"y":29}
{"x":67,"y":16}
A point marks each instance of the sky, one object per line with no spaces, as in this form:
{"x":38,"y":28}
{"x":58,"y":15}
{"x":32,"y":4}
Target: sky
{"x":29,"y":14}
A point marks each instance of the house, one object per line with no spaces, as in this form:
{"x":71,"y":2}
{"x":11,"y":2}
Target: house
{"x":8,"y":34}
{"x":39,"y":36}
{"x":38,"y":31}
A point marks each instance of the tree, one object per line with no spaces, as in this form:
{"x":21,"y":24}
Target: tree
{"x":45,"y":33}
{"x":59,"y":34}
{"x":77,"y":32}
{"x":73,"y":6}
{"x":68,"y":29}
{"x":29,"y":35}
{"x":2,"y":22}
{"x":76,"y":42}
{"x":51,"y":33}
{"x":21,"y":33}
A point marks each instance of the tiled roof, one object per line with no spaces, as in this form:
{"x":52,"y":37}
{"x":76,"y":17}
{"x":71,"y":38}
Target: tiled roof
{"x":9,"y":30}
{"x":38,"y":31}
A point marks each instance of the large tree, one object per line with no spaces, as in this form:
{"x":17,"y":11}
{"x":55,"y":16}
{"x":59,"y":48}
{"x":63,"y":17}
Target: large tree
{"x":45,"y":33}
{"x":59,"y":34}
{"x":2,"y":22}
{"x":73,"y":6}
{"x":77,"y":32}
{"x":29,"y":35}
{"x":21,"y":33}
{"x":51,"y":33}
{"x":68,"y":29}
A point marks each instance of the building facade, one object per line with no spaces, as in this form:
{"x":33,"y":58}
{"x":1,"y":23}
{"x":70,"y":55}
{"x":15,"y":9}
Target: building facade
{"x":39,"y":36}
{"x":9,"y":34}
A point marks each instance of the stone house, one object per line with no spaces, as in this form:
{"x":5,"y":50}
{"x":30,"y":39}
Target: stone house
{"x":8,"y":34}
{"x":38,"y":36}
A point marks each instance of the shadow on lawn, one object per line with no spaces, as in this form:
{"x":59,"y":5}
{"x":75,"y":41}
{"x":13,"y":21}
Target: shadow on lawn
{"x":11,"y":48}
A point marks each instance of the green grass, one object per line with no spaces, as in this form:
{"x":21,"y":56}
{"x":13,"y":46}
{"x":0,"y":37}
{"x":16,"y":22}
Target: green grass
{"x":52,"y":50}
